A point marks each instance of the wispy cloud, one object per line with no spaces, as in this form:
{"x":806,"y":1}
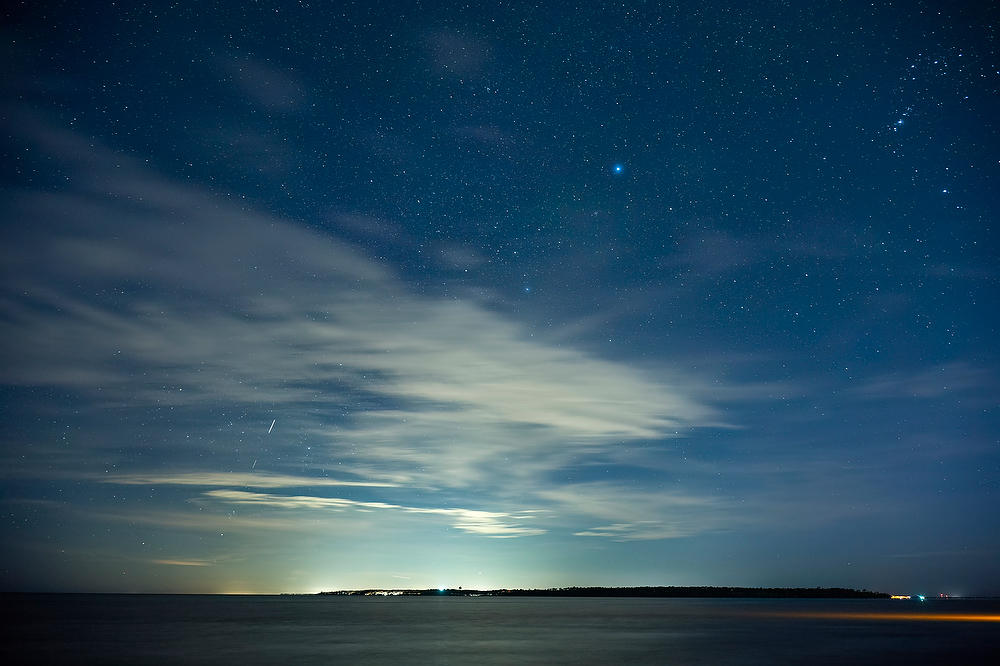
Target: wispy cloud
{"x":136,"y":291}
{"x":457,"y":54}
{"x":184,"y":563}
{"x":272,"y":87}
{"x":258,"y":480}
{"x":936,"y":382}
{"x":484,"y":523}
{"x":643,"y":514}
{"x":710,"y":252}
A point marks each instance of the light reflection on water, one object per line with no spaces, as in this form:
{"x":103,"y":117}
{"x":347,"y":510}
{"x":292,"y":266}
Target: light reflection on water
{"x":250,"y":630}
{"x":884,"y":616}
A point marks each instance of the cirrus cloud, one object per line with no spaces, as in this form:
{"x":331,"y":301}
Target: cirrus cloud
{"x":498,"y":525}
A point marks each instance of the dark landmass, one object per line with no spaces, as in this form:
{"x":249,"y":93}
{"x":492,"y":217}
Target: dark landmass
{"x":679,"y":592}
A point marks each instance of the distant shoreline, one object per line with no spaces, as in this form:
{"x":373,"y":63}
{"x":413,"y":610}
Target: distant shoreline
{"x":703,"y":592}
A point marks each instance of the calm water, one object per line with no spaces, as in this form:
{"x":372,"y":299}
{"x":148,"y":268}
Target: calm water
{"x":150,"y":629}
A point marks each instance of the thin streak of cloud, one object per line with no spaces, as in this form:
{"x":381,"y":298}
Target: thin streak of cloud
{"x":272,"y":87}
{"x":256,"y":480}
{"x":944,"y":380}
{"x":184,"y":563}
{"x":713,"y":252}
{"x":643,"y":530}
{"x":458,"y":55}
{"x":642,"y":514}
{"x":195,"y":518}
{"x":484,"y":523}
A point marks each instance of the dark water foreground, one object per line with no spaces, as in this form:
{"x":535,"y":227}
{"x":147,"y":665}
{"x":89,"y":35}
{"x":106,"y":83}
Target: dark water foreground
{"x":245,"y":630}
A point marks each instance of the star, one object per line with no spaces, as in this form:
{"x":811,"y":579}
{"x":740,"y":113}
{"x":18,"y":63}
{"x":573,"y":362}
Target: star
{"x":617,"y":168}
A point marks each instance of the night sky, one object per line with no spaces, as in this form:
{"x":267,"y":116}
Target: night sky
{"x":312,"y":296}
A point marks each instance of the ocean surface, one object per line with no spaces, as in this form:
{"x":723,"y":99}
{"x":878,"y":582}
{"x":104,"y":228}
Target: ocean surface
{"x":300,"y":630}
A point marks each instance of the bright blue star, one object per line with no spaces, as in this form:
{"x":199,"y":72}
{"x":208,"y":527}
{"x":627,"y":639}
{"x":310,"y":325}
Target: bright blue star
{"x":618,"y":168}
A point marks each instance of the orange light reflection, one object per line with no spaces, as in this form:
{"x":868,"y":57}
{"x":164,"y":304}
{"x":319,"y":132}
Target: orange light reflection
{"x":899,"y":617}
